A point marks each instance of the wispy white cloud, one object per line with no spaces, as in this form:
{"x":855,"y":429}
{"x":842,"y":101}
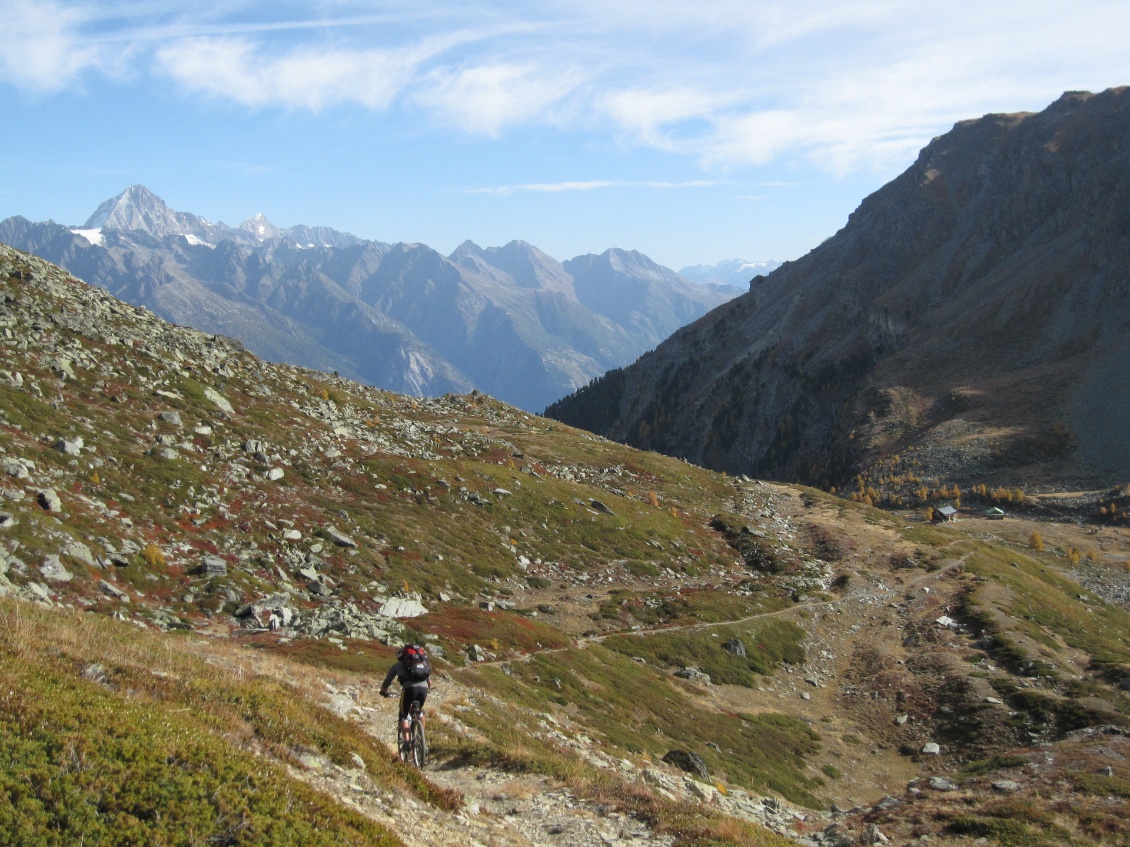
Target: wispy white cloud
{"x":727,"y":83}
{"x":485,"y":99}
{"x":588,"y":185}
{"x":302,"y":78}
{"x":40,"y":46}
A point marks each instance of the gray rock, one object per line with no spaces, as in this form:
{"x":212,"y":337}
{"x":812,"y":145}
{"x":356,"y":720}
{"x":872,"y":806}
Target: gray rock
{"x":337,"y":537}
{"x":49,"y":500}
{"x":475,"y":653}
{"x":254,"y":445}
{"x":14,"y":468}
{"x":931,"y":749}
{"x":274,"y":612}
{"x":687,"y":761}
{"x":318,"y":588}
{"x":7,"y":520}
{"x":693,"y":674}
{"x":113,"y":590}
{"x":940,"y":783}
{"x":53,"y":571}
{"x":1006,"y":786}
{"x":275,"y":474}
{"x":601,"y":507}
{"x":702,"y":790}
{"x":70,"y":448}
{"x":221,"y":402}
{"x":871,"y":834}
{"x":403,"y":607}
{"x":341,"y":705}
{"x":170,"y":417}
{"x":80,"y":553}
{"x":735,"y":646}
{"x":214,"y":566}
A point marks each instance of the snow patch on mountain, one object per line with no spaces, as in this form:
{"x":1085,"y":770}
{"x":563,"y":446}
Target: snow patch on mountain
{"x":94,"y":236}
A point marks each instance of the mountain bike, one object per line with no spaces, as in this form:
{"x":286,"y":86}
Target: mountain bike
{"x":415,"y":749}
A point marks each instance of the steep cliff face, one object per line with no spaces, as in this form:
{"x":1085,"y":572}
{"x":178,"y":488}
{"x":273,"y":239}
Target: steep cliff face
{"x":988,"y":284}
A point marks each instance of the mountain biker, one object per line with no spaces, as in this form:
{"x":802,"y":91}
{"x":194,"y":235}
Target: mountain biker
{"x":412,"y":671}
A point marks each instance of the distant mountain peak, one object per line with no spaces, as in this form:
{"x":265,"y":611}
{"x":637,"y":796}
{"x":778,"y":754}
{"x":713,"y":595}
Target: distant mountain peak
{"x":135,"y":208}
{"x":261,"y":228}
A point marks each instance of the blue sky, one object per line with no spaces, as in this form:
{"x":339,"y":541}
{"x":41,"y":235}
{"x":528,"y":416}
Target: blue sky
{"x":693,"y":132}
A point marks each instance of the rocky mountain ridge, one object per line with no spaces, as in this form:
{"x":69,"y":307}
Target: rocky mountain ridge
{"x":402,"y":317}
{"x":973,"y":307}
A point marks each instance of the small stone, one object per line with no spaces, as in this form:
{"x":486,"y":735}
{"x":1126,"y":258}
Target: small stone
{"x":113,"y":590}
{"x":601,"y":507}
{"x":50,"y":501}
{"x":337,"y":537}
{"x":940,"y":783}
{"x":70,"y":448}
{"x":1006,"y":786}
{"x":931,"y":749}
{"x":275,"y":474}
{"x":735,"y":646}
{"x":14,"y":468}
{"x":170,"y":417}
{"x":214,"y":566}
{"x":221,"y":402}
{"x":902,"y":719}
{"x":872,"y":835}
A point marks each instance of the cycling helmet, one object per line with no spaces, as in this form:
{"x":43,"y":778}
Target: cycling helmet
{"x":406,"y":650}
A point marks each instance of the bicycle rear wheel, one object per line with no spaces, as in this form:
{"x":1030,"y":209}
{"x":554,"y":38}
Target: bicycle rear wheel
{"x":419,"y":745}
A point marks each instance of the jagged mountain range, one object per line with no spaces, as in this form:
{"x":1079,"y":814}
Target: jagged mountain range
{"x":736,"y":273}
{"x":510,"y":321}
{"x":974,"y":310}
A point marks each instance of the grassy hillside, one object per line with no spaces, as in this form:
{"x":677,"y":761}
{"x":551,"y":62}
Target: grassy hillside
{"x":203,"y":555}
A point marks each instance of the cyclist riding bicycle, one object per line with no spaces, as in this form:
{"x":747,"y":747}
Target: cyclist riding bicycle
{"x":412,"y":671}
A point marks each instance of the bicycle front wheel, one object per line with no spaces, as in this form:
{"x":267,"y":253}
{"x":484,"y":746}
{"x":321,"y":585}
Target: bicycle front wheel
{"x":419,"y":745}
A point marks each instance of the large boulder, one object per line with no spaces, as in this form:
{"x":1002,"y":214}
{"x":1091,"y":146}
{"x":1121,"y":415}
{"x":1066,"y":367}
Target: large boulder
{"x":687,"y":761}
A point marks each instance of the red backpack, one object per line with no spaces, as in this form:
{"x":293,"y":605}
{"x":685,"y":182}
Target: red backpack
{"x":416,"y":663}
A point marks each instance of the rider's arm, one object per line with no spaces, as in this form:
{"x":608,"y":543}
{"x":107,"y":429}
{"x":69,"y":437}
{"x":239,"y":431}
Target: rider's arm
{"x":393,"y":672}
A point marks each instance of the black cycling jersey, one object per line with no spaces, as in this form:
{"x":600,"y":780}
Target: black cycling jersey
{"x":400,"y":672}
{"x":410,"y":691}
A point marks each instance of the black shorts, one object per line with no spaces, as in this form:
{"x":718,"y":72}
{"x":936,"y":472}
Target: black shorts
{"x":412,"y":694}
